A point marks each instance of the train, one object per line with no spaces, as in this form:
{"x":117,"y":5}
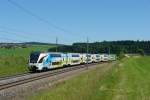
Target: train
{"x":42,"y":61}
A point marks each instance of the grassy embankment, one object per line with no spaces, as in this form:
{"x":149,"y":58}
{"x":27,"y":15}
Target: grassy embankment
{"x":14,"y":61}
{"x":128,"y":80}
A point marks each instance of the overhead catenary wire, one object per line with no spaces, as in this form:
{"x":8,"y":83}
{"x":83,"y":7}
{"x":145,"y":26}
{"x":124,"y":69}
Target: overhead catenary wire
{"x":12,"y":40}
{"x":14,"y":31}
{"x":16,"y":35}
{"x":38,"y":17}
{"x":19,"y":33}
{"x":41,"y":19}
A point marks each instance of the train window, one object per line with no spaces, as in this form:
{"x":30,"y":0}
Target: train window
{"x":105,"y":55}
{"x":75,"y":55}
{"x":88,"y":55}
{"x":55,"y":55}
{"x":56,"y":63}
{"x":97,"y":55}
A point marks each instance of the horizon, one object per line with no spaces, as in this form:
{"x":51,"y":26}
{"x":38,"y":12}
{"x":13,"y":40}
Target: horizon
{"x":74,"y":42}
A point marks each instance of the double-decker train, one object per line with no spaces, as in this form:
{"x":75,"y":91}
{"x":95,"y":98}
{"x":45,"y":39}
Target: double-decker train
{"x":39,"y":61}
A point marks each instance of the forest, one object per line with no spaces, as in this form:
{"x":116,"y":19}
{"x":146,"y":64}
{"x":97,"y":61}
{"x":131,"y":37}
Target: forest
{"x":115,"y":47}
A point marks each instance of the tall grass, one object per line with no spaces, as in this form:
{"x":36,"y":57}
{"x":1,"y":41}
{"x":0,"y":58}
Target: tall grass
{"x":14,"y":61}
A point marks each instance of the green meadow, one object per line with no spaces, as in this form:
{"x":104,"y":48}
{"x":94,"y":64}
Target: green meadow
{"x":129,"y":79}
{"x":15,"y":61}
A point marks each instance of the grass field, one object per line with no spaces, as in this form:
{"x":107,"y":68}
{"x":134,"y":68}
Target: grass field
{"x":14,"y":61}
{"x":127,"y":80}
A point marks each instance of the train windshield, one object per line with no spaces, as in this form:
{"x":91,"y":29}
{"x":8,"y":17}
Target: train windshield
{"x":34,"y":57}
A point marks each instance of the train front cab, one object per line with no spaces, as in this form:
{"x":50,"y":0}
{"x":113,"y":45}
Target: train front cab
{"x":47,"y":61}
{"x":35,"y":61}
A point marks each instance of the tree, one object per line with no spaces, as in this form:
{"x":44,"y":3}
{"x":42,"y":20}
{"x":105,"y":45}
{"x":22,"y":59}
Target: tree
{"x":141,"y":52}
{"x":116,"y":47}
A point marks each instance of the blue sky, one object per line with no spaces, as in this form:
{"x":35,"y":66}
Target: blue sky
{"x":97,"y":19}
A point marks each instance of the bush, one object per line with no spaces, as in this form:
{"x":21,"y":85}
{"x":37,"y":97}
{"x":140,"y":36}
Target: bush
{"x":141,"y":52}
{"x":121,"y":55}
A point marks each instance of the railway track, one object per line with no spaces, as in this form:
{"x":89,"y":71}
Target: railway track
{"x":14,"y":76}
{"x":19,"y":80}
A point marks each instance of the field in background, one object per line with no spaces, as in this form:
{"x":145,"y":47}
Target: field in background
{"x":127,"y":80}
{"x":15,"y":60}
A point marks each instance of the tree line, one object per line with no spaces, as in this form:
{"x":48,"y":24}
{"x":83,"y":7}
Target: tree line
{"x":115,"y":47}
